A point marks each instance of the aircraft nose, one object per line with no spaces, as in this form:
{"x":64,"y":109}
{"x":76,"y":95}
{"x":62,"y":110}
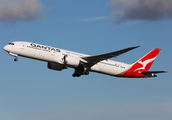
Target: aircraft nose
{"x":6,"y":48}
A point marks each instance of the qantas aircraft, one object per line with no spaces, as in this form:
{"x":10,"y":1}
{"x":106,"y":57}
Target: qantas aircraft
{"x":59,"y":59}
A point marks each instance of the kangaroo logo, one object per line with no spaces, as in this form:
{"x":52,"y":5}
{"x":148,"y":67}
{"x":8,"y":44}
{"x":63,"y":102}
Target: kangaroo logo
{"x":144,"y":64}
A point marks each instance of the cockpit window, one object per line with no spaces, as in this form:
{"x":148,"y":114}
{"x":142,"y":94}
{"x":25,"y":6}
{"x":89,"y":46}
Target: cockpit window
{"x":11,"y":43}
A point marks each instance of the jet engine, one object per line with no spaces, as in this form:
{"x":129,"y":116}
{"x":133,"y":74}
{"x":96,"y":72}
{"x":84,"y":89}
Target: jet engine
{"x":55,"y":66}
{"x":67,"y":60}
{"x":71,"y":61}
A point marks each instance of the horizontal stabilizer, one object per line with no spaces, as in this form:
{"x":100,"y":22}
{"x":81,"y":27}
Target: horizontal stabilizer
{"x":152,"y":73}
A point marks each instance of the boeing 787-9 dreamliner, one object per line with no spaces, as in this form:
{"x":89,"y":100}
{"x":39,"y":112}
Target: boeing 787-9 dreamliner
{"x":59,"y":59}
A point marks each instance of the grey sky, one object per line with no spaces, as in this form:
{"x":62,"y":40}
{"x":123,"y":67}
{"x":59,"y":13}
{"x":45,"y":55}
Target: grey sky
{"x":150,"y":10}
{"x":140,"y":111}
{"x":13,"y":10}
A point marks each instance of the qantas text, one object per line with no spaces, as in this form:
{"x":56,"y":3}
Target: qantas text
{"x":43,"y":48}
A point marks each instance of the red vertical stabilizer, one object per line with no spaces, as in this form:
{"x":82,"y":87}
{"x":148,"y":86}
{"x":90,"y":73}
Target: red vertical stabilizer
{"x":142,"y":65}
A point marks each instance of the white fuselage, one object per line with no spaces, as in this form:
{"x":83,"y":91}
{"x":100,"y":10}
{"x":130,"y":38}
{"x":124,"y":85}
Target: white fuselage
{"x":54,"y":55}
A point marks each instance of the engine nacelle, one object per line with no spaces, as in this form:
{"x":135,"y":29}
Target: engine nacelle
{"x":59,"y":59}
{"x":72,"y":61}
{"x":55,"y":66}
{"x":67,"y":60}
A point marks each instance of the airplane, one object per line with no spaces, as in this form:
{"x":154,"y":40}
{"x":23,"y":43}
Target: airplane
{"x":59,"y":59}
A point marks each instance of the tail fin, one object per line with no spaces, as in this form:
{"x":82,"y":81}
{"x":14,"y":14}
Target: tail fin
{"x":142,"y":65}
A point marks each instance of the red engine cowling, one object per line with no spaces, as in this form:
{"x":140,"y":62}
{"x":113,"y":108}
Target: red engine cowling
{"x":55,"y":66}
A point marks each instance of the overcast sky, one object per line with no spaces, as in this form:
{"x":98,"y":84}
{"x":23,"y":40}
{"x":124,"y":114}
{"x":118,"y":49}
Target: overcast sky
{"x":31,"y":91}
{"x":149,"y":10}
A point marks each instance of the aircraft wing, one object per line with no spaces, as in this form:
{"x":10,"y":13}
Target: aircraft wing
{"x":92,"y":60}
